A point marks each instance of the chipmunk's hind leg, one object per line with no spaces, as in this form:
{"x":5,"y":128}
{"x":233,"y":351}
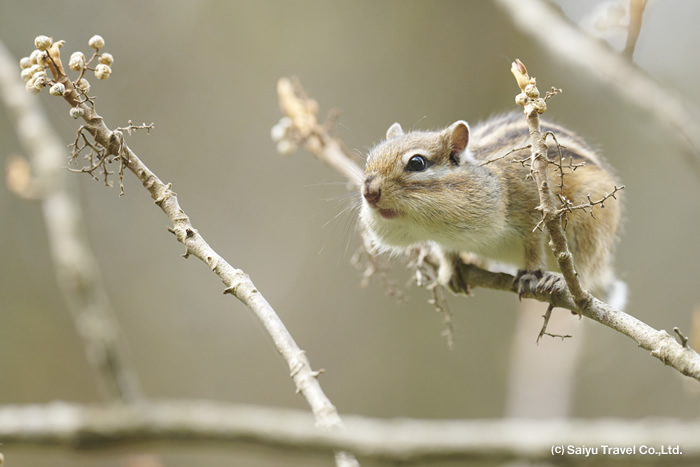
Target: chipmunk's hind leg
{"x":535,"y":277}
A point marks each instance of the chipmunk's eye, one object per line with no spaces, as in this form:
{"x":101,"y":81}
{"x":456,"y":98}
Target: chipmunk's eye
{"x":417,"y":164}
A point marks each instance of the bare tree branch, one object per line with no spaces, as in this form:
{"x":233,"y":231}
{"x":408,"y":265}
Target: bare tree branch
{"x":539,"y":163}
{"x":112,"y":147}
{"x":301,"y":127}
{"x":572,"y":44}
{"x":397,"y":440}
{"x":76,"y":267}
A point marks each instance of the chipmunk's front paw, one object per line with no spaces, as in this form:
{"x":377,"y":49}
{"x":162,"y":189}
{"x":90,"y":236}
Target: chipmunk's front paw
{"x":458,"y":283}
{"x":538,"y":281}
{"x":527,"y":281}
{"x":452,"y":275}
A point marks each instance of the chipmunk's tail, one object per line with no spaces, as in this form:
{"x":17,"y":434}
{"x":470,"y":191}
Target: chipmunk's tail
{"x":616,"y":294}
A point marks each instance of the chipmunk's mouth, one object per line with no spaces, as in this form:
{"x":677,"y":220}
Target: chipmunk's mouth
{"x":388,"y":213}
{"x":385,"y":213}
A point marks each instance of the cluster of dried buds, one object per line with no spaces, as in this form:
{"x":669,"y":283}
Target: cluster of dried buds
{"x":35,"y":66}
{"x":530,"y":95}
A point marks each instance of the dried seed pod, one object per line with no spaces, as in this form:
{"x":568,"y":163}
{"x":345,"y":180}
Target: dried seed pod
{"x":83,"y":85}
{"x":57,"y":89}
{"x":102,"y":71}
{"x":31,"y":88}
{"x":532,"y":91}
{"x":76,"y":112}
{"x":286,"y":147}
{"x":96,"y":42}
{"x":77,"y":61}
{"x":34,"y":69}
{"x":33,"y":56}
{"x":42,"y":58}
{"x":106,"y":59}
{"x":40,"y":79}
{"x":26,"y":74}
{"x":280,"y":130}
{"x":42,"y":42}
{"x":540,"y":105}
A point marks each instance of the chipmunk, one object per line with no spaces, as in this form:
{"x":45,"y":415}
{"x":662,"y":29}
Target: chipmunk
{"x":450,"y":188}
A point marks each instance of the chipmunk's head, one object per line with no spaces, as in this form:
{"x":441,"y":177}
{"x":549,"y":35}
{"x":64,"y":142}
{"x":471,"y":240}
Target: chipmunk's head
{"x":420,"y":186}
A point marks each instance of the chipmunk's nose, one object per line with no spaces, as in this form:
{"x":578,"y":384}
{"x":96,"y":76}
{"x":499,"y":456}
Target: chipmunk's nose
{"x":371,"y":190}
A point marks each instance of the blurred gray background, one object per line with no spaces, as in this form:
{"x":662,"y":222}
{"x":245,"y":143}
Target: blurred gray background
{"x":205,"y":73}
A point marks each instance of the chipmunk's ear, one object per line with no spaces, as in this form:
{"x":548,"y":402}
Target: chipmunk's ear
{"x":394,"y":130}
{"x":459,"y":135}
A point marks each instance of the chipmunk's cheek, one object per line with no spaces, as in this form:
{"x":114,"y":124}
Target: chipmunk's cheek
{"x":388,"y":213}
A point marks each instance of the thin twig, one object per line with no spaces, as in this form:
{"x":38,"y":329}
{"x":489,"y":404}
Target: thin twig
{"x":439,"y":301}
{"x":635,"y":26}
{"x":546,"y":316}
{"x":568,"y":206}
{"x":683,"y":339}
{"x":505,"y":155}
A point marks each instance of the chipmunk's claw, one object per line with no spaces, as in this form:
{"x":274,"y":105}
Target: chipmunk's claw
{"x":458,"y":283}
{"x":527,"y":281}
{"x":538,"y":281}
{"x":551,"y":283}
